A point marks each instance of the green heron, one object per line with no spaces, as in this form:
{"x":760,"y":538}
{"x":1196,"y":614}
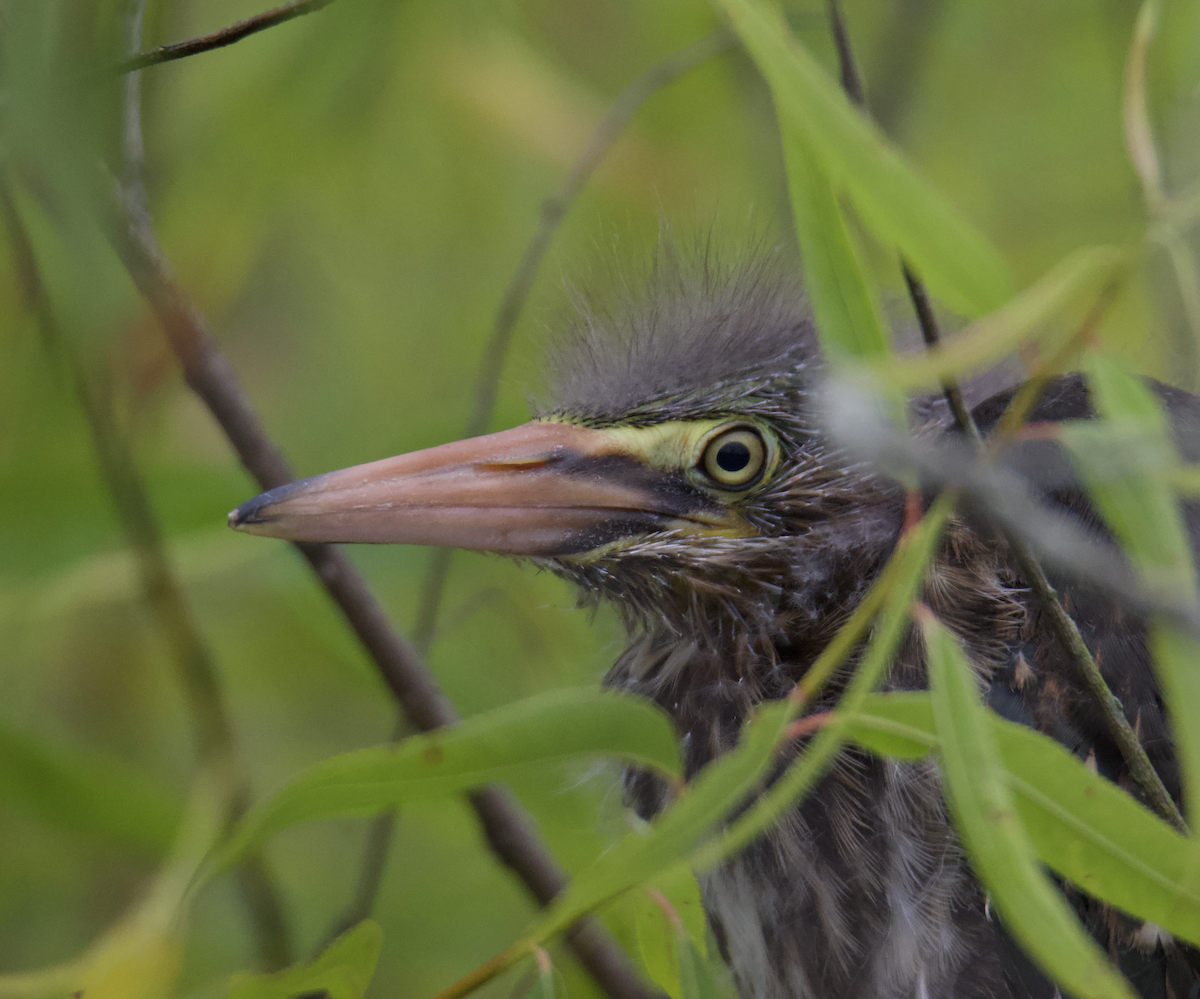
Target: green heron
{"x":680,"y":470}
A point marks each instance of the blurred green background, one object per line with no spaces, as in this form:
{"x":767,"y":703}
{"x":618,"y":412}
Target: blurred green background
{"x":346,"y":197}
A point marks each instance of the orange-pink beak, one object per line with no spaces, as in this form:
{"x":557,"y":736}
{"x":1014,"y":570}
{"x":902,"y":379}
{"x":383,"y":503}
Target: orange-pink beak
{"x":539,"y":489}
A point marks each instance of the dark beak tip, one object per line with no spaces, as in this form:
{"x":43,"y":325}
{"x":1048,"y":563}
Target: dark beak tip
{"x":247,"y":514}
{"x":238,"y":517}
{"x":257,"y":510}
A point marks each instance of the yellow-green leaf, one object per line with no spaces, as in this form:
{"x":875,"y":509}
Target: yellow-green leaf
{"x":987,"y":820}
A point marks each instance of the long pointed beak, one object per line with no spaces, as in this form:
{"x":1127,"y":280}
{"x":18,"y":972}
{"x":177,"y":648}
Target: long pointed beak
{"x":538,"y":489}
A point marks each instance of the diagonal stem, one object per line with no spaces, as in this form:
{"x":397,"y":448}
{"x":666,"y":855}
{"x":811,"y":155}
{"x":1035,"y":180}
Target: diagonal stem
{"x":507,"y":829}
{"x":219,"y":39}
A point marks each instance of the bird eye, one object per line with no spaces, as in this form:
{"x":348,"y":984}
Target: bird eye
{"x":734,"y":459}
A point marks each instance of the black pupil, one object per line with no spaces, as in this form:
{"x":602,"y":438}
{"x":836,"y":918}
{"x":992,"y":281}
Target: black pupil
{"x":733,"y":456}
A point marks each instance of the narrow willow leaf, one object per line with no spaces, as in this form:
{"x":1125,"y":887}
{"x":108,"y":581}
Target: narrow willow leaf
{"x":1176,"y":655}
{"x":1078,"y":277}
{"x":696,"y":979}
{"x":905,"y":211}
{"x":897,"y":724}
{"x":1114,"y":454}
{"x":655,"y":927}
{"x":1086,"y":828}
{"x":1139,"y":136}
{"x":86,"y":792}
{"x":1185,"y":480}
{"x":1124,"y":458}
{"x":656,"y":945}
{"x":544,"y":986}
{"x":488,"y":747}
{"x":1033,"y":910}
{"x":843,"y":304}
{"x":342,"y":971}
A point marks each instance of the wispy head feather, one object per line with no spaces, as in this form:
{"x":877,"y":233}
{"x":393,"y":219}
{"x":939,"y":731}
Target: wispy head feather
{"x":696,"y":335}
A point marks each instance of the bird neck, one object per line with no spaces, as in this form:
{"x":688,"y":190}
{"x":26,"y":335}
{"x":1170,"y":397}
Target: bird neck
{"x":717,"y":625}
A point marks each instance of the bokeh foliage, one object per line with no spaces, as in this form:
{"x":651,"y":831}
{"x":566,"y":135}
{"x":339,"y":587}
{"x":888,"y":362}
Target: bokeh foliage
{"x":346,"y":197}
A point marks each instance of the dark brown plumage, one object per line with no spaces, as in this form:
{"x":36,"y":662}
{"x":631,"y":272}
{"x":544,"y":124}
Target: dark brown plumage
{"x":731,"y":587}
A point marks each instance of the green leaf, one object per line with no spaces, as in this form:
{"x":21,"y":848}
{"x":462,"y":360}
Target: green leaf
{"x":656,"y":944}
{"x":488,"y":747}
{"x":544,"y":986}
{"x":1034,"y":911}
{"x":86,"y":791}
{"x":896,"y":203}
{"x":1115,"y":455}
{"x":1086,"y":828}
{"x":656,"y":930}
{"x":1124,"y":457}
{"x":696,"y":979}
{"x":1077,"y":278}
{"x":1097,"y":836}
{"x":343,"y":970}
{"x":898,"y":724}
{"x":1175,"y":655}
{"x":843,"y":304}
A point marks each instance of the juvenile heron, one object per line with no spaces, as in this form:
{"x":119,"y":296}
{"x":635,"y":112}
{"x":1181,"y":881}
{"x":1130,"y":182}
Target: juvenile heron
{"x":680,"y":471}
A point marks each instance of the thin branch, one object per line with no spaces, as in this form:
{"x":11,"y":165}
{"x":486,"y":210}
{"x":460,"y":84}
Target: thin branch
{"x":1139,"y":136}
{"x":932,"y":337}
{"x":225,"y":36}
{"x":1067,"y":632}
{"x":507,"y":828}
{"x":1062,"y":624}
{"x":851,"y":78}
{"x":554,"y":210}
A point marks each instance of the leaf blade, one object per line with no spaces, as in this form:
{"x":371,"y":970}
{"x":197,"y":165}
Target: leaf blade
{"x":897,"y":204}
{"x":555,"y":725}
{"x":1034,"y":912}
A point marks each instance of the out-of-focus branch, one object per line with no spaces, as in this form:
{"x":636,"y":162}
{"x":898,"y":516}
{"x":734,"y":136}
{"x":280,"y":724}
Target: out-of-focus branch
{"x":932,"y":337}
{"x":1139,"y":136}
{"x":225,"y":36}
{"x":507,"y":829}
{"x":1062,"y":624}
